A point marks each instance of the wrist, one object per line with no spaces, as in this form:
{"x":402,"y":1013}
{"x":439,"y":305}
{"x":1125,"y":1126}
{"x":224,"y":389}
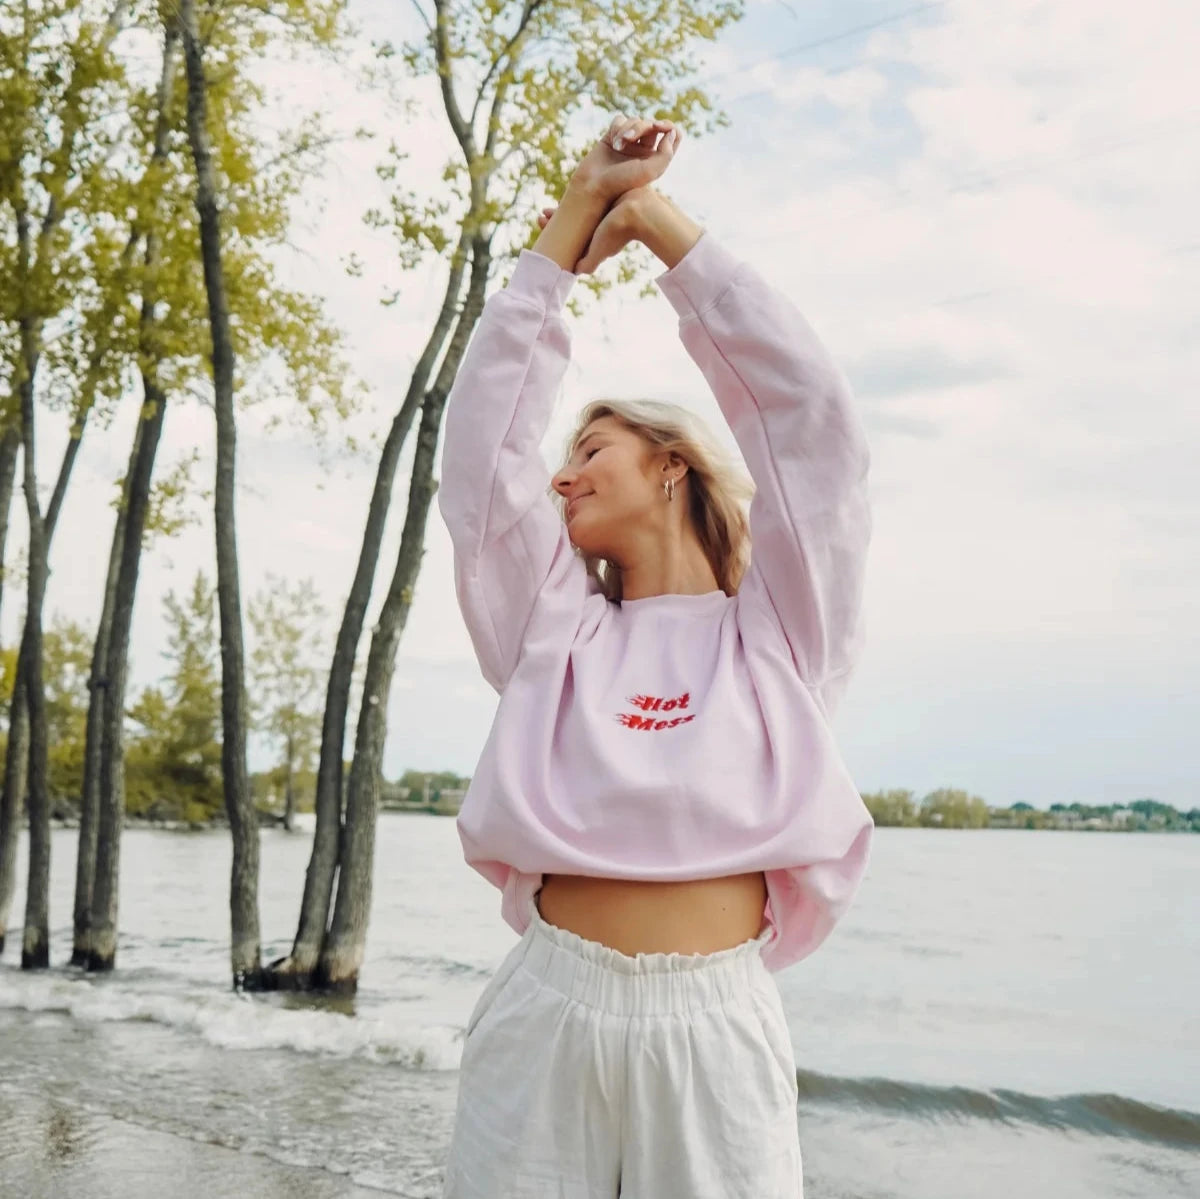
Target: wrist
{"x":646,"y":212}
{"x":585,"y":197}
{"x":666,"y":230}
{"x":567,"y":234}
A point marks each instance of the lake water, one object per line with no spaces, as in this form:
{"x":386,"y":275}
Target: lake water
{"x":1001,"y":1013}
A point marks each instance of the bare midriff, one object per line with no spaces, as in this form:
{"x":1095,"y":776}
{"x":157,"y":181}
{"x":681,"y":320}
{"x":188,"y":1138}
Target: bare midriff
{"x":702,"y":916}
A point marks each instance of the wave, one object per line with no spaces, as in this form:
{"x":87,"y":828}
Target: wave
{"x":232,"y":1021}
{"x":1100,"y":1114}
{"x":237,"y":1021}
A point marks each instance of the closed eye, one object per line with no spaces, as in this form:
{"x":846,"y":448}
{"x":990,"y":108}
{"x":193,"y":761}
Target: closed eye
{"x":589,"y":454}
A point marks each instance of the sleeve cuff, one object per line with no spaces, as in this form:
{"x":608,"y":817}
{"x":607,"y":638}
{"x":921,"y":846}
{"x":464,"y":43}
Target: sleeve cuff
{"x":541,"y":280}
{"x":699,"y":278}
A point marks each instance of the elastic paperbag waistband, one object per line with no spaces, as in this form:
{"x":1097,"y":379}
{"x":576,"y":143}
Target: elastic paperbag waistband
{"x":644,"y":984}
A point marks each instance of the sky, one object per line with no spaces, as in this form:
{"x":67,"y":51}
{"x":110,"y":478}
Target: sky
{"x":988,"y":214}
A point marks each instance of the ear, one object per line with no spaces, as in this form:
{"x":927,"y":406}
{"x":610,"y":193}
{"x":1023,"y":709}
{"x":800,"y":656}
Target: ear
{"x":675,"y":466}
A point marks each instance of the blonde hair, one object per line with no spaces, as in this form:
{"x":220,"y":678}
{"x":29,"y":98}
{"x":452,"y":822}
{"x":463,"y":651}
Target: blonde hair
{"x":716,"y":486}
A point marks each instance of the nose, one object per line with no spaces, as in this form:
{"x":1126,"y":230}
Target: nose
{"x":563,"y":480}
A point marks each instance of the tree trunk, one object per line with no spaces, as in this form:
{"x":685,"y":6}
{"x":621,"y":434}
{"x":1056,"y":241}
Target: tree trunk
{"x":12,"y":799}
{"x":289,"y":787}
{"x":297,"y":970}
{"x":106,"y":712}
{"x":85,"y":856}
{"x":342,"y":955}
{"x":18,"y":762}
{"x":12,"y":804}
{"x":110,"y":808}
{"x":18,"y":749}
{"x":89,"y":813}
{"x":10,"y":443}
{"x":245,"y":950}
{"x":35,"y":946}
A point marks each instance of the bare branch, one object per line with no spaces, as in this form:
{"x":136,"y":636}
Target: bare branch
{"x":423,"y":15}
{"x":462,"y":131}
{"x":501,"y":93}
{"x":531,"y":7}
{"x":294,"y":151}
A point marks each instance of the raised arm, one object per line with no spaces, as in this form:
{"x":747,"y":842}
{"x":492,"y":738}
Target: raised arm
{"x":510,"y":544}
{"x":790,"y":409}
{"x":509,"y":540}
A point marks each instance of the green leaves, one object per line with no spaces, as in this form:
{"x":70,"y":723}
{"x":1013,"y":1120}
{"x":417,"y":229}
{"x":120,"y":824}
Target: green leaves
{"x":526,"y":88}
{"x":77,"y":138}
{"x":173,"y":768}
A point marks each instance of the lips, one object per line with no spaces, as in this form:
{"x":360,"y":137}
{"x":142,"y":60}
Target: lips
{"x":571,"y":505}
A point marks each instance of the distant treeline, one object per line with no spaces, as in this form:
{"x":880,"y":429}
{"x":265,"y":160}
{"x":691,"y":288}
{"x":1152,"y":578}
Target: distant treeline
{"x":173,"y":727}
{"x":951,"y":808}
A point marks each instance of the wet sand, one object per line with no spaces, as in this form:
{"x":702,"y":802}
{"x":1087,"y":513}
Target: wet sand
{"x":52,"y":1150}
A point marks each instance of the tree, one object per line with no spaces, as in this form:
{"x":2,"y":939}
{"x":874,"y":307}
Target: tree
{"x":529,"y":69}
{"x":104,"y":793}
{"x":95,"y":730}
{"x":949,"y":808}
{"x":892,"y":808}
{"x":323,"y":18}
{"x":274,"y":327}
{"x":55,"y":92}
{"x":286,"y":680}
{"x":243,"y":900}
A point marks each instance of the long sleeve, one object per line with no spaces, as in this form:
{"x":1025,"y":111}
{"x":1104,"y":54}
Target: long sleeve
{"x":510,"y":542}
{"x":790,"y":410}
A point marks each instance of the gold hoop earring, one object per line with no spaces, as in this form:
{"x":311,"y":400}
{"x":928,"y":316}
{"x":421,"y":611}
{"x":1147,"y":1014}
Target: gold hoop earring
{"x":669,"y":488}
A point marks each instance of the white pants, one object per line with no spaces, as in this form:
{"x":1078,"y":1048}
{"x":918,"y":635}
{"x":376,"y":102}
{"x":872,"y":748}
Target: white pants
{"x":588,"y":1074}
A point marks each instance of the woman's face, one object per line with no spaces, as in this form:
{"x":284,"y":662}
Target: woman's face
{"x":613,"y":487}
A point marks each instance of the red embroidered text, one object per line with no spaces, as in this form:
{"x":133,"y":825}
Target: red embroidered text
{"x":656,"y":703}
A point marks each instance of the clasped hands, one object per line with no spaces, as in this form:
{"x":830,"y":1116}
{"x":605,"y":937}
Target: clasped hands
{"x":617,"y":173}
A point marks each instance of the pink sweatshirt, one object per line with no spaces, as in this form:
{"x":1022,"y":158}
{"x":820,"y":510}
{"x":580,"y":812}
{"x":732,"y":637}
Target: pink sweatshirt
{"x":677,"y":736}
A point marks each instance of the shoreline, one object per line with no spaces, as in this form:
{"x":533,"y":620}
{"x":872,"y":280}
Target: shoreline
{"x":265,"y":820}
{"x":272,"y":821}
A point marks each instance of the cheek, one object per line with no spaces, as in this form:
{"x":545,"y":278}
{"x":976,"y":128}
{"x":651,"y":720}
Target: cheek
{"x":623,"y":485}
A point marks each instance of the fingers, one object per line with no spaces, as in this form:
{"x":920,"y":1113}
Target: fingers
{"x":670,"y":141}
{"x":640,"y":134}
{"x":629,"y":132}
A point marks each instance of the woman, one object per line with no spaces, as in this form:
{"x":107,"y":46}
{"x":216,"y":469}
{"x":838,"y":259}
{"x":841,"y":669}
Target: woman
{"x":660,"y":799}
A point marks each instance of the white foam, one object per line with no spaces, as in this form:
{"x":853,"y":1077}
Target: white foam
{"x":232,"y":1021}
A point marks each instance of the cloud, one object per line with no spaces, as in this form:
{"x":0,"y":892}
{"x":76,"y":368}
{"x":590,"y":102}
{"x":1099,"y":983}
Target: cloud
{"x":878,"y":375}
